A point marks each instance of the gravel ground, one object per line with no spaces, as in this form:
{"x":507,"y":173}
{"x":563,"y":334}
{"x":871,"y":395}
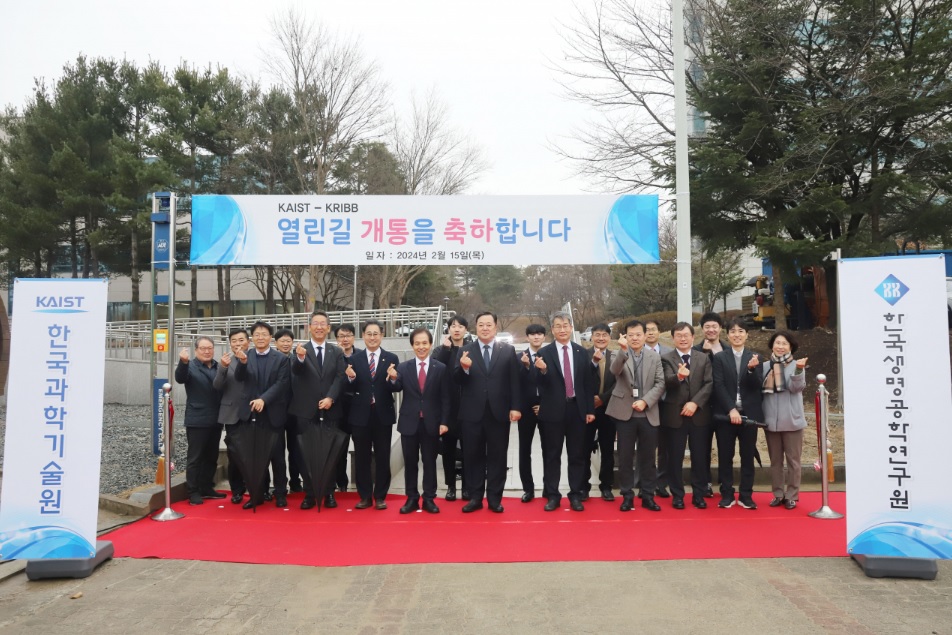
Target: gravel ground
{"x":127,"y":459}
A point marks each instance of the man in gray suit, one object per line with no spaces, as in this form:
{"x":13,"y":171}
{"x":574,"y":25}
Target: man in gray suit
{"x":317,"y":380}
{"x":685,"y":413}
{"x":639,"y":384}
{"x":234,"y":408}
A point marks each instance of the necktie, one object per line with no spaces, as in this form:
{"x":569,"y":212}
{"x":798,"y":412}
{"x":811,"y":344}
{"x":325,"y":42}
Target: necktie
{"x":601,"y":373}
{"x":373,"y":366}
{"x":422,"y":378}
{"x":687,"y":360}
{"x":320,"y":357}
{"x":486,"y":355}
{"x":567,"y":373}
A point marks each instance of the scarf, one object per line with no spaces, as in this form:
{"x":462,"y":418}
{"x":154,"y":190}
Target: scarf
{"x":775,"y":381}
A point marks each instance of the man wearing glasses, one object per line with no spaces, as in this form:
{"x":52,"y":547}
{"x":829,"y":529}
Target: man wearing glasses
{"x":202,"y":430}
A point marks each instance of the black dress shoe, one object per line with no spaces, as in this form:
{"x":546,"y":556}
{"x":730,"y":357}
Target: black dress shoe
{"x":330,"y":502}
{"x":411,"y":506}
{"x":777,"y":501}
{"x":195,"y":499}
{"x":472,"y":506}
{"x":268,"y":496}
{"x":251,"y":504}
{"x":662,"y":492}
{"x":649,"y":503}
{"x":709,"y":491}
{"x":430,"y":507}
{"x":363,"y":504}
{"x":607,"y":495}
{"x":584,"y":496}
{"x":577,"y":505}
{"x":527,"y":497}
{"x":280,"y":500}
{"x":551,"y":505}
{"x":308,"y":503}
{"x":699,"y":502}
{"x":498,"y":508}
{"x":451,"y":494}
{"x":236,"y":498}
{"x":212,"y":494}
{"x":677,"y":503}
{"x":464,"y":495}
{"x":627,"y":503}
{"x":381,"y":505}
{"x":296,"y":487}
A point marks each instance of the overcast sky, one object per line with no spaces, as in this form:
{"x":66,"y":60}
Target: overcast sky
{"x":490,"y":61}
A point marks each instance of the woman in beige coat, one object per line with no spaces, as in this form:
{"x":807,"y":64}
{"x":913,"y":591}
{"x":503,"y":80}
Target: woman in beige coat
{"x":784,"y":381}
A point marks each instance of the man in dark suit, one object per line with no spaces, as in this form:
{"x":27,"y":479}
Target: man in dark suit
{"x":737,"y":394}
{"x":685,"y":413}
{"x":563,"y":372}
{"x":711,"y":326}
{"x":488,"y":375}
{"x":601,"y":432}
{"x":317,"y":381}
{"x":202,"y":430}
{"x":535,"y":333}
{"x":264,"y":373}
{"x":634,"y":407}
{"x":344,"y":334}
{"x":284,"y":342}
{"x":235,"y":410}
{"x":372,"y":416}
{"x":457,"y":336}
{"x":423,"y":413}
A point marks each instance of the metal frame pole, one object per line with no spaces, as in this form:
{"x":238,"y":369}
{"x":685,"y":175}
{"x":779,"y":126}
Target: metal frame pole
{"x":685,"y":301}
{"x":168,"y":513}
{"x":825,"y":512}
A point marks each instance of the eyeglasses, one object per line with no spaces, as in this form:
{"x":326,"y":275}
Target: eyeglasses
{"x":205,"y":348}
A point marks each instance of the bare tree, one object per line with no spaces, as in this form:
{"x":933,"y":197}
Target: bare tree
{"x":434,"y":157}
{"x":338,"y":96}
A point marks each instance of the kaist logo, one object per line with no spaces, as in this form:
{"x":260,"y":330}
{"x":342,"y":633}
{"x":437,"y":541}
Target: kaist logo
{"x":59,"y":304}
{"x":891,"y":289}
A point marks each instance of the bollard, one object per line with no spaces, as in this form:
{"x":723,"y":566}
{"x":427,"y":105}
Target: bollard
{"x":822,"y":423}
{"x":168,"y":513}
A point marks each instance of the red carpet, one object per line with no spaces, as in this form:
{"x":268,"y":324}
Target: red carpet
{"x":220,"y":531}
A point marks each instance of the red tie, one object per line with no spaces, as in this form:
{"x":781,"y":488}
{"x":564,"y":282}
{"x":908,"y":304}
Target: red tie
{"x":567,"y":372}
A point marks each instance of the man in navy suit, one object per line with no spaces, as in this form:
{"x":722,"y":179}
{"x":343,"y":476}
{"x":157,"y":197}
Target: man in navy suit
{"x":535,"y":333}
{"x":423,"y":416}
{"x":488,"y":375}
{"x":737,"y":394}
{"x":317,"y":380}
{"x":564,"y":374}
{"x":372,"y":416}
{"x":265,"y":376}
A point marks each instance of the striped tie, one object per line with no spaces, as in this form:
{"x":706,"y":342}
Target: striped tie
{"x":373,"y":366}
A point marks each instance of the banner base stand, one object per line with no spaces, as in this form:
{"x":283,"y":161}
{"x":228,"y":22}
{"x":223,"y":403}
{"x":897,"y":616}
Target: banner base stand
{"x":893,"y":567}
{"x":69,"y":567}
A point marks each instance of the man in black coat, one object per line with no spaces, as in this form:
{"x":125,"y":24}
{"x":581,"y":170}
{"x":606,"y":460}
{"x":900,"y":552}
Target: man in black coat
{"x":488,"y":375}
{"x":202,"y":430}
{"x":535,"y":333}
{"x":601,"y":432}
{"x":712,"y":326}
{"x":317,"y":381}
{"x":737,"y":395}
{"x":448,"y":354}
{"x":264,"y":373}
{"x":372,"y":416}
{"x":423,"y":414}
{"x":345,"y":334}
{"x":564,"y":374}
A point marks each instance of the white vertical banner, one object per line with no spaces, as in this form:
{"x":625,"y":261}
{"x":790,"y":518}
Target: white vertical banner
{"x":50,"y":499}
{"x":897,"y":406}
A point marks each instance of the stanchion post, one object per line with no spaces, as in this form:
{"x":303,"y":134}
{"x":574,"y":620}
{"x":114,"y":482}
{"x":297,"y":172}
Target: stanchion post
{"x":822,"y":423}
{"x":168,"y":513}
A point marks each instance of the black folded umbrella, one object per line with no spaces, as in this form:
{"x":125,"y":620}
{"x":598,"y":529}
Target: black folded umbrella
{"x":323,"y":446}
{"x":252,"y":443}
{"x":747,"y":422}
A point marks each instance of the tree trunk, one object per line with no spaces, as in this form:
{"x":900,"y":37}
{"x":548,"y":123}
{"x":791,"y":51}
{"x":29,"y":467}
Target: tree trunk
{"x":269,"y":292}
{"x":228,"y":306}
{"x":193,"y":301}
{"x":134,"y":269}
{"x":74,"y":249}
{"x":830,"y":269}
{"x":780,"y":316}
{"x":219,"y":274}
{"x":312,"y":286}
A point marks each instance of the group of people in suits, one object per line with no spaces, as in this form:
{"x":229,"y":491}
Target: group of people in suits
{"x":657,"y":401}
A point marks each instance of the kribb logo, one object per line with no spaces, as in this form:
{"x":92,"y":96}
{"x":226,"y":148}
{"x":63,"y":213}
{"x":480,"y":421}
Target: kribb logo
{"x":891,"y":289}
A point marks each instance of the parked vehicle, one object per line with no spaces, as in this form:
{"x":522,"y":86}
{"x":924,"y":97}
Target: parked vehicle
{"x":586,"y":335}
{"x":504,"y":337}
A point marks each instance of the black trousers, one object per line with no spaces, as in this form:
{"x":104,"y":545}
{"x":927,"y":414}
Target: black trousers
{"x":601,"y":433}
{"x":699,"y":441}
{"x":201,"y":457}
{"x":309,"y":490}
{"x":448,"y":442}
{"x":527,"y":427}
{"x":729,"y":435}
{"x":637,"y":430}
{"x":235,"y":480}
{"x":485,"y":446}
{"x":570,"y":431}
{"x":661,"y":479}
{"x":279,"y":466}
{"x":342,"y":480}
{"x":414,"y":446}
{"x":675,"y":441}
{"x":295,"y":458}
{"x":372,"y":444}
